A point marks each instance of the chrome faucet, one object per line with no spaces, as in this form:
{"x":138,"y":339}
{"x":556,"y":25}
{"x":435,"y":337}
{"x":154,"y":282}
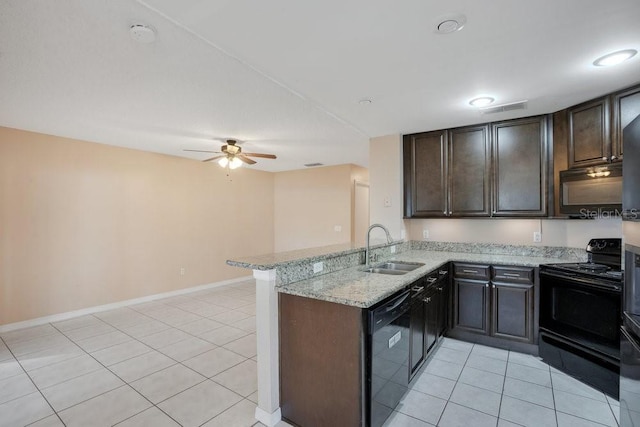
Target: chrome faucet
{"x":389,"y":240}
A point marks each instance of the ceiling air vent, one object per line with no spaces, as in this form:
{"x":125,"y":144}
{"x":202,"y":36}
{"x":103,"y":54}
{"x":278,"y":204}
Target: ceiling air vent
{"x":520,"y":105}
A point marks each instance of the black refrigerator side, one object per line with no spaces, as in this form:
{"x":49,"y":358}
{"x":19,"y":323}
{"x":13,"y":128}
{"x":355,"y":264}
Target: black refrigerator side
{"x":631,"y":171}
{"x":630,"y":371}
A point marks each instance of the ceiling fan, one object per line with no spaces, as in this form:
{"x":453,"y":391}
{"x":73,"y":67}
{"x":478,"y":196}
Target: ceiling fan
{"x":231,"y":155}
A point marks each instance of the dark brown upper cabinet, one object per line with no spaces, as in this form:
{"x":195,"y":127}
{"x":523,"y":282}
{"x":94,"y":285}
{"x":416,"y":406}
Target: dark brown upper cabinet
{"x":469,"y":171}
{"x":520,"y":167}
{"x":446,"y":173}
{"x":425,"y":174}
{"x":626,"y":107}
{"x":589,"y":134}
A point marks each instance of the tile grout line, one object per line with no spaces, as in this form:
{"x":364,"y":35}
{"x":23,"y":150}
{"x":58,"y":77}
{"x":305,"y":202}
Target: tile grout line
{"x":207,"y":378}
{"x":35,"y":385}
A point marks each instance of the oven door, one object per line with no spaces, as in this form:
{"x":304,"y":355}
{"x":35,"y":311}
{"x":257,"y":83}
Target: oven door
{"x":582,"y":310}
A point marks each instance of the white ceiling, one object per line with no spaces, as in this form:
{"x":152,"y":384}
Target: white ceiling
{"x":286,"y":75}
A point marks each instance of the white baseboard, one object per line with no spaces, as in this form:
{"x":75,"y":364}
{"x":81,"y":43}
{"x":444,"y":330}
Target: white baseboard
{"x":90,"y":310}
{"x":270,"y":420}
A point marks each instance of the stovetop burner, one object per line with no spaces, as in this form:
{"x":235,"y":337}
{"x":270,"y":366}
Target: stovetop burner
{"x":604,"y":262}
{"x":593,"y":267}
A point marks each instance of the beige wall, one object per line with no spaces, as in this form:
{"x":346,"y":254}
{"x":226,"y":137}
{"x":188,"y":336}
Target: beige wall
{"x":310,"y":203}
{"x":385,"y":177}
{"x":385,"y":169}
{"x":84,"y":224}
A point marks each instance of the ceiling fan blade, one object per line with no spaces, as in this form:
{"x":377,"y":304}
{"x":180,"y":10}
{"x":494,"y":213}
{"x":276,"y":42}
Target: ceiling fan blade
{"x":201,"y":151}
{"x":245,"y":159}
{"x":213,"y":158}
{"x":266,"y":156}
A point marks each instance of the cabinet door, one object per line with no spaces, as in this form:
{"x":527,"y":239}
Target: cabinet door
{"x":520,"y":167}
{"x":512,"y":307}
{"x":431,"y":319}
{"x":469,"y":170}
{"x":444,"y":303}
{"x":471,"y":303}
{"x":626,"y":107}
{"x":425,"y":173}
{"x":417,"y":336}
{"x":589,"y":138}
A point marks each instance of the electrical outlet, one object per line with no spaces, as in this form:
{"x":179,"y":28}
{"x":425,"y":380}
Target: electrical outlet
{"x":537,"y":237}
{"x":387,"y":202}
{"x":337,"y":228}
{"x":425,"y":234}
{"x":182,"y":271}
{"x":393,"y":249}
{"x":318,"y":267}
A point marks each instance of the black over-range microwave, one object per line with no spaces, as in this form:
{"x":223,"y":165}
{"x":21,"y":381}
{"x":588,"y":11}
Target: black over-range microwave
{"x":592,"y":192}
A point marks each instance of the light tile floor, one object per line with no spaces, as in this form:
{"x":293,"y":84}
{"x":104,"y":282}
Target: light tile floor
{"x":188,"y":360}
{"x":191,"y":361}
{"x":464,"y":384}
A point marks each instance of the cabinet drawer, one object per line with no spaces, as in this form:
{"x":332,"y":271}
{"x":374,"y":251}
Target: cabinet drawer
{"x":513,"y":274}
{"x":471,"y":271}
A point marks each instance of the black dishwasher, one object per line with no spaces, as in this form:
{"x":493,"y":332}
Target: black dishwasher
{"x":388,"y":373}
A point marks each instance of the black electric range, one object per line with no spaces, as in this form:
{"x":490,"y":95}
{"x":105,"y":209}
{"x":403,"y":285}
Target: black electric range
{"x":581,"y":314}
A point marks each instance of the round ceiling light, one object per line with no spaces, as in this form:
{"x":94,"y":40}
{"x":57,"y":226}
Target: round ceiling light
{"x":450,"y":23}
{"x":142,"y":33}
{"x":615,"y":58}
{"x":481,"y":101}
{"x":448,"y":26}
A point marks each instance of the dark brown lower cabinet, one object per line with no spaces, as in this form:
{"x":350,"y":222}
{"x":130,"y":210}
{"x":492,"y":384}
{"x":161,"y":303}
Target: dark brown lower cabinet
{"x":498,"y":301}
{"x":471,"y":305}
{"x":322,"y":362}
{"x":431,"y":307}
{"x":417,"y":346}
{"x":512,"y":311}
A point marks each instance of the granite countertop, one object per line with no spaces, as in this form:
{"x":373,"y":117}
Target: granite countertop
{"x":279,"y":259}
{"x":354,"y":287}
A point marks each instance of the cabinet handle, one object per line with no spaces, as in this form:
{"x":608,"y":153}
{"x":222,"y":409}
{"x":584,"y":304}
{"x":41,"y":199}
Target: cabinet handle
{"x":417,"y":289}
{"x":449,"y":212}
{"x":442,"y":272}
{"x":431,"y":280}
{"x":605,"y":158}
{"x":614,"y":157}
{"x":493,"y":286}
{"x":470,"y":271}
{"x":440,"y":289}
{"x":511,"y":274}
{"x":427,"y":300}
{"x":444,"y":212}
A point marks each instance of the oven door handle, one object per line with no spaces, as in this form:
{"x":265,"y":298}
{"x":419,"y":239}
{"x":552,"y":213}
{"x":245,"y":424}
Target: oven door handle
{"x":582,"y":281}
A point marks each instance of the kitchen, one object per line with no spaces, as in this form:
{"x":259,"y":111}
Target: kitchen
{"x":384,"y":178}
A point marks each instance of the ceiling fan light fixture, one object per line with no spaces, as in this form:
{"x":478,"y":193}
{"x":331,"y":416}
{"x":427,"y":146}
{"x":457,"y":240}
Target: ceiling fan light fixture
{"x":235,"y":163}
{"x":223,"y":162}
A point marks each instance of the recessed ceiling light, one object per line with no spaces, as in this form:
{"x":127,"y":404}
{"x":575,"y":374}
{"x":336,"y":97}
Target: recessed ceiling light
{"x":481,"y":101}
{"x":615,"y":58}
{"x":450,"y":23}
{"x":365,"y":101}
{"x":142,"y":33}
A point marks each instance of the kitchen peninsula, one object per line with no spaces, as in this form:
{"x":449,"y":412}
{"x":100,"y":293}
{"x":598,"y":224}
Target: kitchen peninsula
{"x":339,"y":283}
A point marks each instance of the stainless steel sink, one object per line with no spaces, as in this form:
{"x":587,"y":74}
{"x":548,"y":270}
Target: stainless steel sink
{"x":394,"y":267}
